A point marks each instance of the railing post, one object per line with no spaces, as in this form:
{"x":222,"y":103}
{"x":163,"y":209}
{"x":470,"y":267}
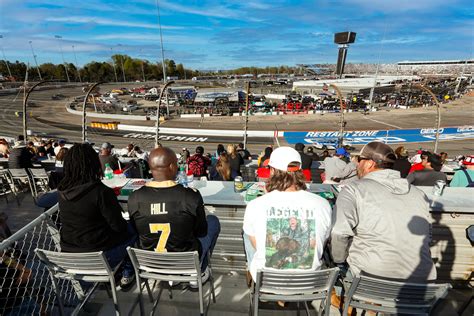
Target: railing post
{"x":342,"y":123}
{"x":438,"y":114}
{"x":247,"y":97}
{"x":84,"y":117}
{"x":158,"y":111}
{"x":25,"y":102}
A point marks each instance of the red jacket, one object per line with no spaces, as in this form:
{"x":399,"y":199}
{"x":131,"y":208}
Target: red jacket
{"x":416,"y":167}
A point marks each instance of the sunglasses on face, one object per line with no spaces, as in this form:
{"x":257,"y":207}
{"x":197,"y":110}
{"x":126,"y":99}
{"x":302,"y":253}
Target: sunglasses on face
{"x":359,"y":159}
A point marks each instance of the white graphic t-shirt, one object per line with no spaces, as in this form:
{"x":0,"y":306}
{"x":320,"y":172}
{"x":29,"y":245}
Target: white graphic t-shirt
{"x":290,"y":228}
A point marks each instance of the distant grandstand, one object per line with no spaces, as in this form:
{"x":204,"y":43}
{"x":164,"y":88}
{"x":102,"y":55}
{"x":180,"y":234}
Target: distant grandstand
{"x":437,"y":66}
{"x":316,"y":69}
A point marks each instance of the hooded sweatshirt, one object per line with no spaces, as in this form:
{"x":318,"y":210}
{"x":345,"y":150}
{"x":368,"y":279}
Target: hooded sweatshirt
{"x":91,"y":218}
{"x":381,"y":226}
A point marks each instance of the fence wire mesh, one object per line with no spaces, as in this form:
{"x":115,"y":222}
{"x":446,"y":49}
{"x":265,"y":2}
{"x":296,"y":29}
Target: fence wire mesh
{"x":25,"y":284}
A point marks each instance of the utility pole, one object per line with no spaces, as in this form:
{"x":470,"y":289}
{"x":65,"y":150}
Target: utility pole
{"x":113,"y":63}
{"x":371,"y":96}
{"x":5,"y":60}
{"x":143,"y":69}
{"x":161,"y":41}
{"x":36,"y":62}
{"x":62,"y":55}
{"x":77,"y":67}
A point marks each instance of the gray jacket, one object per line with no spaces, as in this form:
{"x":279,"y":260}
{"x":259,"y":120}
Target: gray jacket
{"x":381,"y":226}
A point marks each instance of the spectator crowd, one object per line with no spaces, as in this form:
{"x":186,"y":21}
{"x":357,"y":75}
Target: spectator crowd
{"x":379,"y":224}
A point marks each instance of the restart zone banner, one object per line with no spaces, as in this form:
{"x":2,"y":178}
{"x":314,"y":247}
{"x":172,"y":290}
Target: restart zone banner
{"x":386,"y":136}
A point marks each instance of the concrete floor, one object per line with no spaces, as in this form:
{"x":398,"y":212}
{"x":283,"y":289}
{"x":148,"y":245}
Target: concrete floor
{"x":232,"y":298}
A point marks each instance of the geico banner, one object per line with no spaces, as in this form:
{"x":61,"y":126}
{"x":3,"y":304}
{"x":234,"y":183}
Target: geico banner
{"x":386,"y":136}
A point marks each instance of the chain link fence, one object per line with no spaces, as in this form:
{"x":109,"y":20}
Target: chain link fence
{"x":25,"y":284}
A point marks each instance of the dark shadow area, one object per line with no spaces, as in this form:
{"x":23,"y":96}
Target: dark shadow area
{"x":415,"y":290}
{"x":443,"y":237}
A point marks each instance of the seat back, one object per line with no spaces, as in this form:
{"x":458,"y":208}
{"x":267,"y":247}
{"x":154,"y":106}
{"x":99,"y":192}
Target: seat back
{"x":166,"y":266}
{"x":18,"y":180}
{"x":39,"y":181}
{"x":38,"y":173}
{"x":5,"y":180}
{"x":84,"y":264}
{"x":390,"y":296}
{"x":291,"y":283}
{"x":18,"y":173}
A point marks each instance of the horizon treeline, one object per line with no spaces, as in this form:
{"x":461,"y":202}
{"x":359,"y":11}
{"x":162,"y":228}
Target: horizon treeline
{"x":121,"y":66}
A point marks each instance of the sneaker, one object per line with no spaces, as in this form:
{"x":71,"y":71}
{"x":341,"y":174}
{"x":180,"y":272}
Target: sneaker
{"x":204,"y":277}
{"x":126,"y":283}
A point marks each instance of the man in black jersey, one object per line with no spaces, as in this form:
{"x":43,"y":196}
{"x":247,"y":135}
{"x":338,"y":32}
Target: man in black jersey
{"x":170,"y":217}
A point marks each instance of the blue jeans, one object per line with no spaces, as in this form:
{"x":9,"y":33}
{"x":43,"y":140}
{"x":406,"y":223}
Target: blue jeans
{"x":208,"y":242}
{"x":116,"y":255}
{"x":249,"y":249}
{"x":48,"y":199}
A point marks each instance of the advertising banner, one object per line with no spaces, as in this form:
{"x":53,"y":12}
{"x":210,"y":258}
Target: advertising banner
{"x":387,"y":136}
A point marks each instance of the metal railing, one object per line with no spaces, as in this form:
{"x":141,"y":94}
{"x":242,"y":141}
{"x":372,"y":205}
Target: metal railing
{"x":25,"y":284}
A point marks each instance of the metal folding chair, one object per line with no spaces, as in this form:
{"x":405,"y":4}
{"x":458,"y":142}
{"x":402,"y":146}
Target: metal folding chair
{"x":39,"y":180}
{"x":5,"y":187}
{"x":293,"y":286}
{"x":168,"y":267}
{"x":88,"y":267}
{"x":393,"y":297}
{"x":19,"y":180}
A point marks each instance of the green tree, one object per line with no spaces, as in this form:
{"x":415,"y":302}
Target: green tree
{"x":170,"y":67}
{"x":180,"y":71}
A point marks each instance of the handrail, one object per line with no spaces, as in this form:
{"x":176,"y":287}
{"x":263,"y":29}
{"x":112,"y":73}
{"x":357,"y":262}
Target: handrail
{"x":28,"y":227}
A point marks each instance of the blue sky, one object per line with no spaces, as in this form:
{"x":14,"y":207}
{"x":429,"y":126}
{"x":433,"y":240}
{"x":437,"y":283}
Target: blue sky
{"x":208,"y":34}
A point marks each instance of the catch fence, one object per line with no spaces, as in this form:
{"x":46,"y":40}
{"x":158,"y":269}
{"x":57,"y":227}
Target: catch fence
{"x":25,"y":283}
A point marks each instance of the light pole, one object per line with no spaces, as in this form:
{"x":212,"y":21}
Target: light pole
{"x":5,"y":60}
{"x":161,"y":41}
{"x":121,"y":62}
{"x":36,"y":62}
{"x":113,"y":63}
{"x":157,"y":135}
{"x":143,"y":70}
{"x":62,"y":55}
{"x":77,"y":68}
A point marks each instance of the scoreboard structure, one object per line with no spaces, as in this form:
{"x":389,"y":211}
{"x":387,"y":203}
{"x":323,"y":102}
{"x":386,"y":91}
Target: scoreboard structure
{"x":343,"y":39}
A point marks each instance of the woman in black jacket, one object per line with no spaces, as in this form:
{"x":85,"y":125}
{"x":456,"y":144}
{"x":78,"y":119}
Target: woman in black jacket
{"x":90,"y":215}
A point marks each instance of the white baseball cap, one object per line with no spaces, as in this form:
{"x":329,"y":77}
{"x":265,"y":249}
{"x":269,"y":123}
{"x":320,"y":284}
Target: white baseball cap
{"x":282,"y":157}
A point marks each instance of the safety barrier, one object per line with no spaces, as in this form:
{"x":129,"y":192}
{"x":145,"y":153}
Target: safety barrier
{"x":105,"y":125}
{"x":25,"y":284}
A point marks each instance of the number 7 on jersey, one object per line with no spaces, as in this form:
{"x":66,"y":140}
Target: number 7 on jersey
{"x":165,"y":233}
